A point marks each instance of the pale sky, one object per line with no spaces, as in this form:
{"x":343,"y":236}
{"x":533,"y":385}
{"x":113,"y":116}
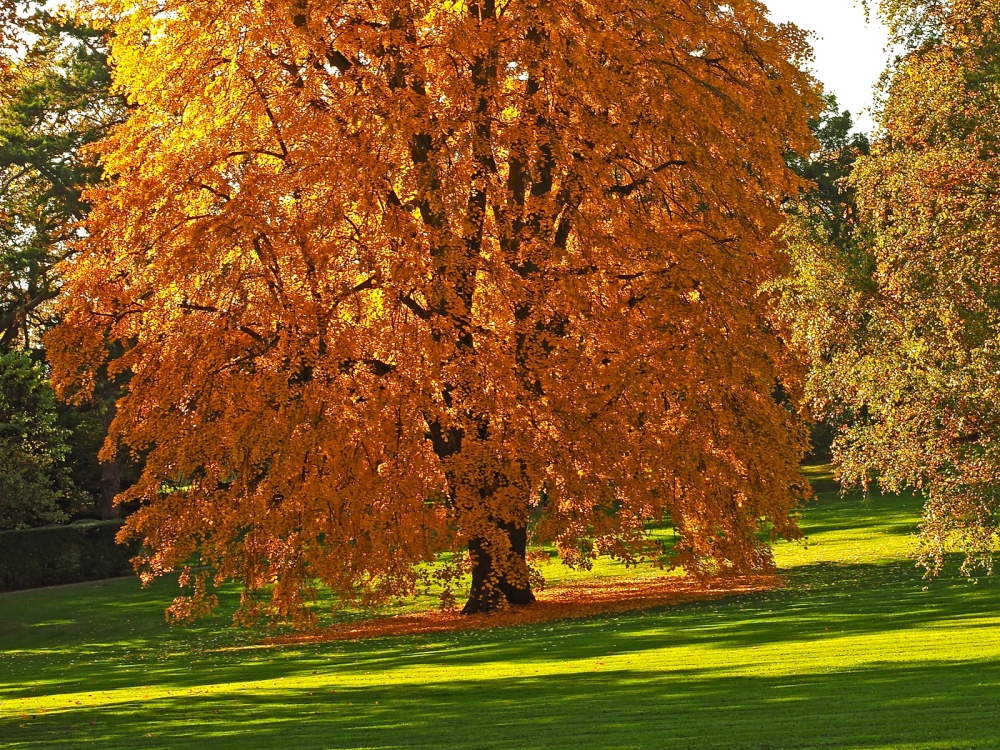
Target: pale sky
{"x":850,"y":53}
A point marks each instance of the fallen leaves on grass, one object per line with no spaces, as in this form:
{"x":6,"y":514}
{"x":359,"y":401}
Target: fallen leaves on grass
{"x":568,"y":601}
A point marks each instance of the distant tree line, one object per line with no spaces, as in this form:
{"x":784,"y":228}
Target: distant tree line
{"x":55,"y":101}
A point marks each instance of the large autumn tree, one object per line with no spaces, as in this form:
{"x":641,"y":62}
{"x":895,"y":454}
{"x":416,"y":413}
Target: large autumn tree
{"x":902,"y":321}
{"x":399,"y":278}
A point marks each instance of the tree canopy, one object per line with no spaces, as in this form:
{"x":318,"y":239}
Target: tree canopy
{"x":902,"y":322}
{"x":824,"y":293}
{"x":54,"y":101}
{"x":400,"y":279}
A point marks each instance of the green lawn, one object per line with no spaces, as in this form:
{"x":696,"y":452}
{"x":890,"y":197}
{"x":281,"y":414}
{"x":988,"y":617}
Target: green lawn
{"x":857,"y":652}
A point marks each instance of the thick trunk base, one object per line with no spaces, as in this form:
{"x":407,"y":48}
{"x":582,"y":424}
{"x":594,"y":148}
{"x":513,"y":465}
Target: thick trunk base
{"x":492,"y":590}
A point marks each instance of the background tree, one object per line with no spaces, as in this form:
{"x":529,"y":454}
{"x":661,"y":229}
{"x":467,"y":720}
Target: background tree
{"x":831,"y":267}
{"x":388,"y":279}
{"x":904,"y":334}
{"x":54,"y":102}
{"x":35,"y":487}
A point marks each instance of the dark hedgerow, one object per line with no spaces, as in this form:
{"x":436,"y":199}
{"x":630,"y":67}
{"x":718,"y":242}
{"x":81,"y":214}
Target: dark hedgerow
{"x":51,"y":555}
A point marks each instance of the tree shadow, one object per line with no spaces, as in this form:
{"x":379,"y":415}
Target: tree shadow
{"x":954,"y":704}
{"x":823,"y":602}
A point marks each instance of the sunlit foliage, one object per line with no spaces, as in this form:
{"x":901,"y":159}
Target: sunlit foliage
{"x":903,"y":325}
{"x":403,"y":278}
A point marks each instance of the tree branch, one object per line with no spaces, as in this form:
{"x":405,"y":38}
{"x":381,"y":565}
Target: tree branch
{"x":636,"y":184}
{"x":415,"y":307}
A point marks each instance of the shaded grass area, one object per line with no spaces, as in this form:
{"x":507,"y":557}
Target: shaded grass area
{"x":857,"y":652}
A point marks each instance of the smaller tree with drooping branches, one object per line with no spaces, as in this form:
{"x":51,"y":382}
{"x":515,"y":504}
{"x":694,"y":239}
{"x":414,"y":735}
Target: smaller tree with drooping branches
{"x":902,"y":324}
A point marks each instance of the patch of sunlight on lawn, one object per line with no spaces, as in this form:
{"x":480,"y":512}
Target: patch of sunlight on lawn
{"x":853,"y":528}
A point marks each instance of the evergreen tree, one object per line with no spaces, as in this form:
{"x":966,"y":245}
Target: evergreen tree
{"x":55,"y":101}
{"x":35,"y":487}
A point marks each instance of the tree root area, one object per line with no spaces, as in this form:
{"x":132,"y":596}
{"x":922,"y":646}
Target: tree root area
{"x":563,"y":602}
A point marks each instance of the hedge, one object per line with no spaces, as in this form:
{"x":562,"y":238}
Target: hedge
{"x":52,"y":555}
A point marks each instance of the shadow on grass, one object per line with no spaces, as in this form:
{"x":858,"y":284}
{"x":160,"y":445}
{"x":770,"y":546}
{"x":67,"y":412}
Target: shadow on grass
{"x":955,"y":704}
{"x":824,"y":601}
{"x":781,"y":669}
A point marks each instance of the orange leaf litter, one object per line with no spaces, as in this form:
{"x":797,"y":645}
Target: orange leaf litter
{"x":563,"y":602}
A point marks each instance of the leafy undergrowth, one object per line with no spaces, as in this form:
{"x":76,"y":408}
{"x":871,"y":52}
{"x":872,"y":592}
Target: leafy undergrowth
{"x":857,"y":650}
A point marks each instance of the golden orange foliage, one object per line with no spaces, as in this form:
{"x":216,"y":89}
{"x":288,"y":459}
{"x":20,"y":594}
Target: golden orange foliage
{"x":399,"y":278}
{"x":10,"y":22}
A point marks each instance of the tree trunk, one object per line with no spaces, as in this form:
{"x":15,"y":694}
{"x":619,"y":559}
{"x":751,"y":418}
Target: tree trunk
{"x":111,"y":475}
{"x":491,"y":589}
{"x":111,"y":485}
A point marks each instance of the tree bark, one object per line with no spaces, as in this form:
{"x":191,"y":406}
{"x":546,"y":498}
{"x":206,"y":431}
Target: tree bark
{"x":490,"y":589}
{"x":111,"y":476}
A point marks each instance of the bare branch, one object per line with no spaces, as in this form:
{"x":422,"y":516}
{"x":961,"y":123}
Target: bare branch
{"x":415,"y":307}
{"x":636,"y":184}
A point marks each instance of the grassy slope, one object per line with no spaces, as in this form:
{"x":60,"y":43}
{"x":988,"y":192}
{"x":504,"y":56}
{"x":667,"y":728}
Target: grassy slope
{"x":853,"y":654}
